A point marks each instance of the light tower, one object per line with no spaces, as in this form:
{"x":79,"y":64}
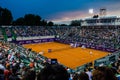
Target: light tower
{"x":91,"y":12}
{"x":103,"y":12}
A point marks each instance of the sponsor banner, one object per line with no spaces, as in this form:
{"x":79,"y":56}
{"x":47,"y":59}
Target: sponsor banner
{"x":63,"y":41}
{"x":88,"y":45}
{"x":35,"y":41}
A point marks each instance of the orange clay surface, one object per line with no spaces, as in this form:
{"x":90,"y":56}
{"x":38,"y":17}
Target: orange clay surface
{"x":70,"y":57}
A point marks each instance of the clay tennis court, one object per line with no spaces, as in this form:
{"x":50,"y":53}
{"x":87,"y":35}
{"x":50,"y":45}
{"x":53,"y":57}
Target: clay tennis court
{"x":70,"y":57}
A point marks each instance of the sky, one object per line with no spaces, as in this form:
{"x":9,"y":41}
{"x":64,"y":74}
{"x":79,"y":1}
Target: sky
{"x":60,"y":11}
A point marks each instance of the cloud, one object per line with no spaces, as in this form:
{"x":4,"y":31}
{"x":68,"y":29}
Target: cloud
{"x":113,"y":9}
{"x":66,"y":17}
{"x":63,"y":12}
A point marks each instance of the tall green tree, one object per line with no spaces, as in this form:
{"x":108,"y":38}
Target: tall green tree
{"x":19,"y":21}
{"x":5,"y":16}
{"x":1,"y":16}
{"x":37,"y":20}
{"x":31,"y":19}
{"x":50,"y":23}
{"x":43,"y":23}
{"x":63,"y":25}
{"x":75,"y":23}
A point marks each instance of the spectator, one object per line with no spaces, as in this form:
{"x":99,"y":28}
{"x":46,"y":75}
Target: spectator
{"x":2,"y":74}
{"x":14,"y":75}
{"x":83,"y":76}
{"x":30,"y":75}
{"x":103,"y":73}
{"x":7,"y":72}
{"x":89,"y":73}
{"x":53,"y":72}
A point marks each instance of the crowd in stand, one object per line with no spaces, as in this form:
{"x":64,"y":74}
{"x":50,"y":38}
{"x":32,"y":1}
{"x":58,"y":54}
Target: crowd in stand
{"x":18,"y":63}
{"x":104,"y":37}
{"x":100,"y":37}
{"x":29,"y":31}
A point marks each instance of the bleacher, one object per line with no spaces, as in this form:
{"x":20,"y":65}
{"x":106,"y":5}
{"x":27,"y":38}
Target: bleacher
{"x":103,"y":39}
